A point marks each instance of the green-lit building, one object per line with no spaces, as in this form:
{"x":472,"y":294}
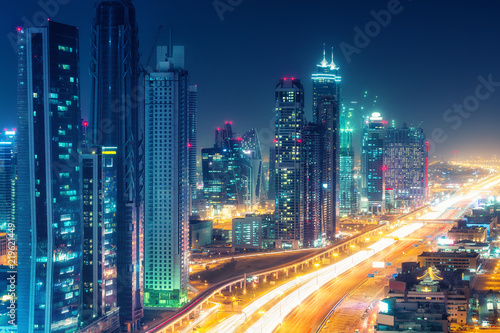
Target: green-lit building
{"x":347,"y":186}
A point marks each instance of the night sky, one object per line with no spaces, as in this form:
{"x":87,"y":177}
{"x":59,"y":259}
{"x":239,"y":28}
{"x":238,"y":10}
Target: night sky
{"x":427,"y":59}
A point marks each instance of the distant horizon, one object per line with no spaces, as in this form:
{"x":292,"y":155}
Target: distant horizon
{"x":417,"y":71}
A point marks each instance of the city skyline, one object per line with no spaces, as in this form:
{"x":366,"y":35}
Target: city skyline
{"x":121,"y":214}
{"x":407,"y":67}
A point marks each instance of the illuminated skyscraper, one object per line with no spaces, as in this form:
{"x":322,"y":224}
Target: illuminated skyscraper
{"x":227,"y":172}
{"x":116,"y":122}
{"x":48,"y":187}
{"x":167,"y":181}
{"x":326,"y":108}
{"x":7,"y":179}
{"x":347,"y":187}
{"x":311,"y":152}
{"x":193,"y":140}
{"x":99,"y":275}
{"x":253,"y":156}
{"x":372,"y":163}
{"x":406,"y":159}
{"x":289,"y":164}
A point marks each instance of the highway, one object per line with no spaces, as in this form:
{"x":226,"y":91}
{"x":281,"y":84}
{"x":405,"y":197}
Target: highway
{"x":271,"y":318}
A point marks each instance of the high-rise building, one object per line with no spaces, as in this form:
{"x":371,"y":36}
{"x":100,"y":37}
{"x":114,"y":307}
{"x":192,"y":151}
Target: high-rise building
{"x":311,"y":152}
{"x":406,"y":159}
{"x":167,"y":180}
{"x":227,"y":172}
{"x":7,"y":179}
{"x":372,"y":164}
{"x":347,"y":186}
{"x":116,"y":122}
{"x":289,"y":164}
{"x":326,"y":108}
{"x":48,"y":184}
{"x":193,"y":141}
{"x":252,"y":150}
{"x":99,"y":274}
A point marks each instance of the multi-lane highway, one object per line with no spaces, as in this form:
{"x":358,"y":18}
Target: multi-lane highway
{"x":312,"y":312}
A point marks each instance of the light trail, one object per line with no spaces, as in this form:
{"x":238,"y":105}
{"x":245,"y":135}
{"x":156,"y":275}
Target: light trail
{"x":271,"y":319}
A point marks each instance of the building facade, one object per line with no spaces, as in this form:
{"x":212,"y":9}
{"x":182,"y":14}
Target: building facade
{"x":116,"y":122}
{"x":372,"y":164}
{"x":326,"y":108}
{"x":193,"y":141}
{"x":7,"y":179}
{"x":99,"y":274}
{"x":48,"y":188}
{"x":289,"y":163}
{"x":406,"y":159}
{"x":347,"y":188}
{"x":167,"y":181}
{"x":311,"y":144}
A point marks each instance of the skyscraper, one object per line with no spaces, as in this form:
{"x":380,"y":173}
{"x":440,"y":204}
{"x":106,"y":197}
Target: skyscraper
{"x":289,"y":164}
{"x":49,"y":178}
{"x":116,"y":122}
{"x":347,"y":187}
{"x":167,"y":180}
{"x":227,"y":172}
{"x":193,"y":140}
{"x":326,"y":108}
{"x":254,"y":168}
{"x":372,"y":164}
{"x":311,"y":152}
{"x":99,"y":275}
{"x":406,"y":161}
{"x":7,"y":179}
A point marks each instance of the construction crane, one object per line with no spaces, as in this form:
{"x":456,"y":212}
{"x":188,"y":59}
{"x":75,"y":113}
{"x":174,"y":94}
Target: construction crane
{"x":145,"y":68}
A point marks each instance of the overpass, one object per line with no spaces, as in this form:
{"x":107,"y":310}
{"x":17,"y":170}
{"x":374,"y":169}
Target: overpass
{"x":195,"y":305}
{"x":433,"y":221}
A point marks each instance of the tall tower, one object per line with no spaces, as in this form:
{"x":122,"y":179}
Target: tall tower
{"x":372,"y":164}
{"x":347,"y":188}
{"x":193,"y":140}
{"x":311,"y":150}
{"x":167,"y":181}
{"x":116,"y":122}
{"x":48,"y":188}
{"x":7,"y":179}
{"x":326,"y":108}
{"x":289,"y":164}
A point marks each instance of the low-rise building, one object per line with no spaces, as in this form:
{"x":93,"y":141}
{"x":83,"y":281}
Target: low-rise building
{"x":449,"y":261}
{"x":474,"y":234}
{"x":254,"y":232}
{"x":200,"y":233}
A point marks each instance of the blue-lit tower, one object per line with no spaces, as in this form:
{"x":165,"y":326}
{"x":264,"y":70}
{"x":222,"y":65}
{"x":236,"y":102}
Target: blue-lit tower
{"x":48,"y":187}
{"x":372,"y":164}
{"x":347,"y":187}
{"x":7,"y":179}
{"x":116,"y":122}
{"x":326,"y":108}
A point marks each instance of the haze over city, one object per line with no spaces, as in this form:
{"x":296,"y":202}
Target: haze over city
{"x":249,"y":166}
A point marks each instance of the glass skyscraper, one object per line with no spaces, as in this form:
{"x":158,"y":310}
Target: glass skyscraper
{"x":116,"y":122}
{"x":99,"y":275}
{"x":193,"y":140}
{"x":7,"y":179}
{"x":49,"y":178}
{"x":167,"y":181}
{"x":372,"y":164}
{"x":347,"y":187}
{"x":406,"y":159}
{"x":326,"y":108}
{"x":289,"y":163}
{"x":311,"y":152}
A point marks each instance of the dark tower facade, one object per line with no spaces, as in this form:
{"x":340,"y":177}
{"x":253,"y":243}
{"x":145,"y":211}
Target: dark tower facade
{"x":116,"y":122}
{"x":48,"y":205}
{"x":326,"y":107}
